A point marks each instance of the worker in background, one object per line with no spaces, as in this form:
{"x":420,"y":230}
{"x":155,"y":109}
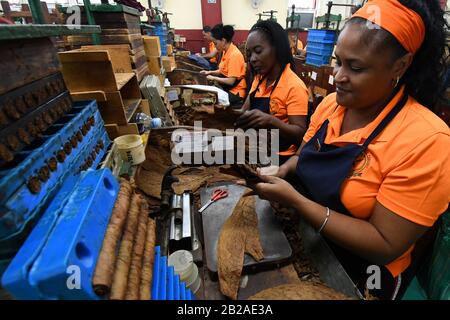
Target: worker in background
{"x":231,"y":73}
{"x":374,"y":165}
{"x":212,"y":53}
{"x":278,"y":98}
{"x":299,"y":49}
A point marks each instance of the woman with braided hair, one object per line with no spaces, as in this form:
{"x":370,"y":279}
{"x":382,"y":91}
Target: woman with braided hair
{"x":374,"y":165}
{"x":278,"y":98}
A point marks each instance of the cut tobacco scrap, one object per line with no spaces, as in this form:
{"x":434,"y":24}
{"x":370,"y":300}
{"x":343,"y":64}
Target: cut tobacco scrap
{"x":239,"y":235}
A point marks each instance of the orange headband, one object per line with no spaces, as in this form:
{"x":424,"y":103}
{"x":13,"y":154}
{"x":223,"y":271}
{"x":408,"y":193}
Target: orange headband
{"x":403,"y":23}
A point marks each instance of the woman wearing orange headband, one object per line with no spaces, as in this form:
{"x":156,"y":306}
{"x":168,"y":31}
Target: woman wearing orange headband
{"x":374,"y":165}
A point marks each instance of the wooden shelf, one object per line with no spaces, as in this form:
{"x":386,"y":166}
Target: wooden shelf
{"x":11,"y":32}
{"x":122,"y":79}
{"x":130,"y":106}
{"x":115,"y":8}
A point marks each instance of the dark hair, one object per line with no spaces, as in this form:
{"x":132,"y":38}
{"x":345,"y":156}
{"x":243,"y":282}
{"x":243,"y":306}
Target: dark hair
{"x":424,"y":78}
{"x":206,"y":29}
{"x":278,"y":39}
{"x":220,"y":32}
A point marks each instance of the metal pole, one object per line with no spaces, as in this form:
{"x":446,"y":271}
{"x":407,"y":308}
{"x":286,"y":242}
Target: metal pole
{"x":36,"y":11}
{"x":327,"y":22}
{"x":91,"y":21}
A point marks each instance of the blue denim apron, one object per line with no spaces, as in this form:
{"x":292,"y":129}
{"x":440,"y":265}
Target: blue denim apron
{"x":263,"y":104}
{"x":322,"y":168}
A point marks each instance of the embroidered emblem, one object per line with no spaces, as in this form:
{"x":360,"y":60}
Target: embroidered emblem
{"x":360,"y":164}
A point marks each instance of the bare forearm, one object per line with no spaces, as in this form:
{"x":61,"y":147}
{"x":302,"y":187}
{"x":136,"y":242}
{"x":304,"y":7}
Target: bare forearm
{"x":226,"y":81}
{"x":356,"y":235}
{"x":208,"y":55}
{"x":290,"y":166}
{"x":215,"y":73}
{"x":291,"y":132}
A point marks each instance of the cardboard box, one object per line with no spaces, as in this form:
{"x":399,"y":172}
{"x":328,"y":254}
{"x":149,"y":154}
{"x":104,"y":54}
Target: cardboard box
{"x":154,"y":65}
{"x":162,"y":78}
{"x":152,"y":46}
{"x":168,"y":63}
{"x":169,"y":50}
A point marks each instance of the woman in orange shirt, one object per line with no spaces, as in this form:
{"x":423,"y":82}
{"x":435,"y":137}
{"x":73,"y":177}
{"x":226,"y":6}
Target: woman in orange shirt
{"x":212,"y":54}
{"x":374,"y":165}
{"x":278,"y":98}
{"x":231,"y":73}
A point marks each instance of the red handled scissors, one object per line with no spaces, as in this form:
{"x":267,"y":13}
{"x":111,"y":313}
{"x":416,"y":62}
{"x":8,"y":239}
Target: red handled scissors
{"x":217,"y":194}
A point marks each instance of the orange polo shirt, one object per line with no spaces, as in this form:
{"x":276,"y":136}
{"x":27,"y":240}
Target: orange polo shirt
{"x":290,"y":98}
{"x":406,"y":168}
{"x":212,"y":47}
{"x":232,"y":65}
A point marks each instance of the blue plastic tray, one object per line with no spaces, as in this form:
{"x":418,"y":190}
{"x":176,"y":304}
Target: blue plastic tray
{"x":319,"y":48}
{"x":166,"y":285}
{"x":324,"y":36}
{"x":34,"y":157}
{"x":10,"y":245}
{"x":65,"y":242}
{"x":317,"y":60}
{"x":21,"y":206}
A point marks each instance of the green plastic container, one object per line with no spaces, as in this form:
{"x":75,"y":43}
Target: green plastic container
{"x":432,"y":282}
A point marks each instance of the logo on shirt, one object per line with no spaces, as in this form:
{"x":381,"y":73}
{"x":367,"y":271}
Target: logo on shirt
{"x":360,"y":164}
{"x":273,"y":106}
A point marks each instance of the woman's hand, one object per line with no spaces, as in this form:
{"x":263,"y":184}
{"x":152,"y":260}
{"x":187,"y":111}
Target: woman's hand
{"x":211,"y":78}
{"x":276,"y":171}
{"x":276,"y":189}
{"x":205,"y":72}
{"x":255,"y":119}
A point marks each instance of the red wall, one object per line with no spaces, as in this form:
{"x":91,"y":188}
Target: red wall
{"x":194,"y":39}
{"x":240,"y":36}
{"x":211,"y":13}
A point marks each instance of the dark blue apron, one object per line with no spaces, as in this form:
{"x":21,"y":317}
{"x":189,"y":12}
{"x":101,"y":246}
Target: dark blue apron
{"x":322,"y":168}
{"x":263,"y":104}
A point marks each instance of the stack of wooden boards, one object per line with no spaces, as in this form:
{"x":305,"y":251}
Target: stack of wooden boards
{"x":120,"y":25}
{"x":125,"y":264}
{"x":152,"y":49}
{"x":157,"y":63}
{"x":104,"y":73}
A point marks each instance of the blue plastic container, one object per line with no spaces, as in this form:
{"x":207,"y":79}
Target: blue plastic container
{"x":162,"y":295}
{"x":16,"y":200}
{"x":10,"y":245}
{"x":57,"y":261}
{"x":318,"y":48}
{"x":320,"y":45}
{"x":156,"y":274}
{"x":183,"y":291}
{"x":323,"y":36}
{"x":170,"y":283}
{"x":317,"y":60}
{"x":176,"y":285}
{"x":11,"y":179}
{"x":166,"y":285}
{"x":23,"y":201}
